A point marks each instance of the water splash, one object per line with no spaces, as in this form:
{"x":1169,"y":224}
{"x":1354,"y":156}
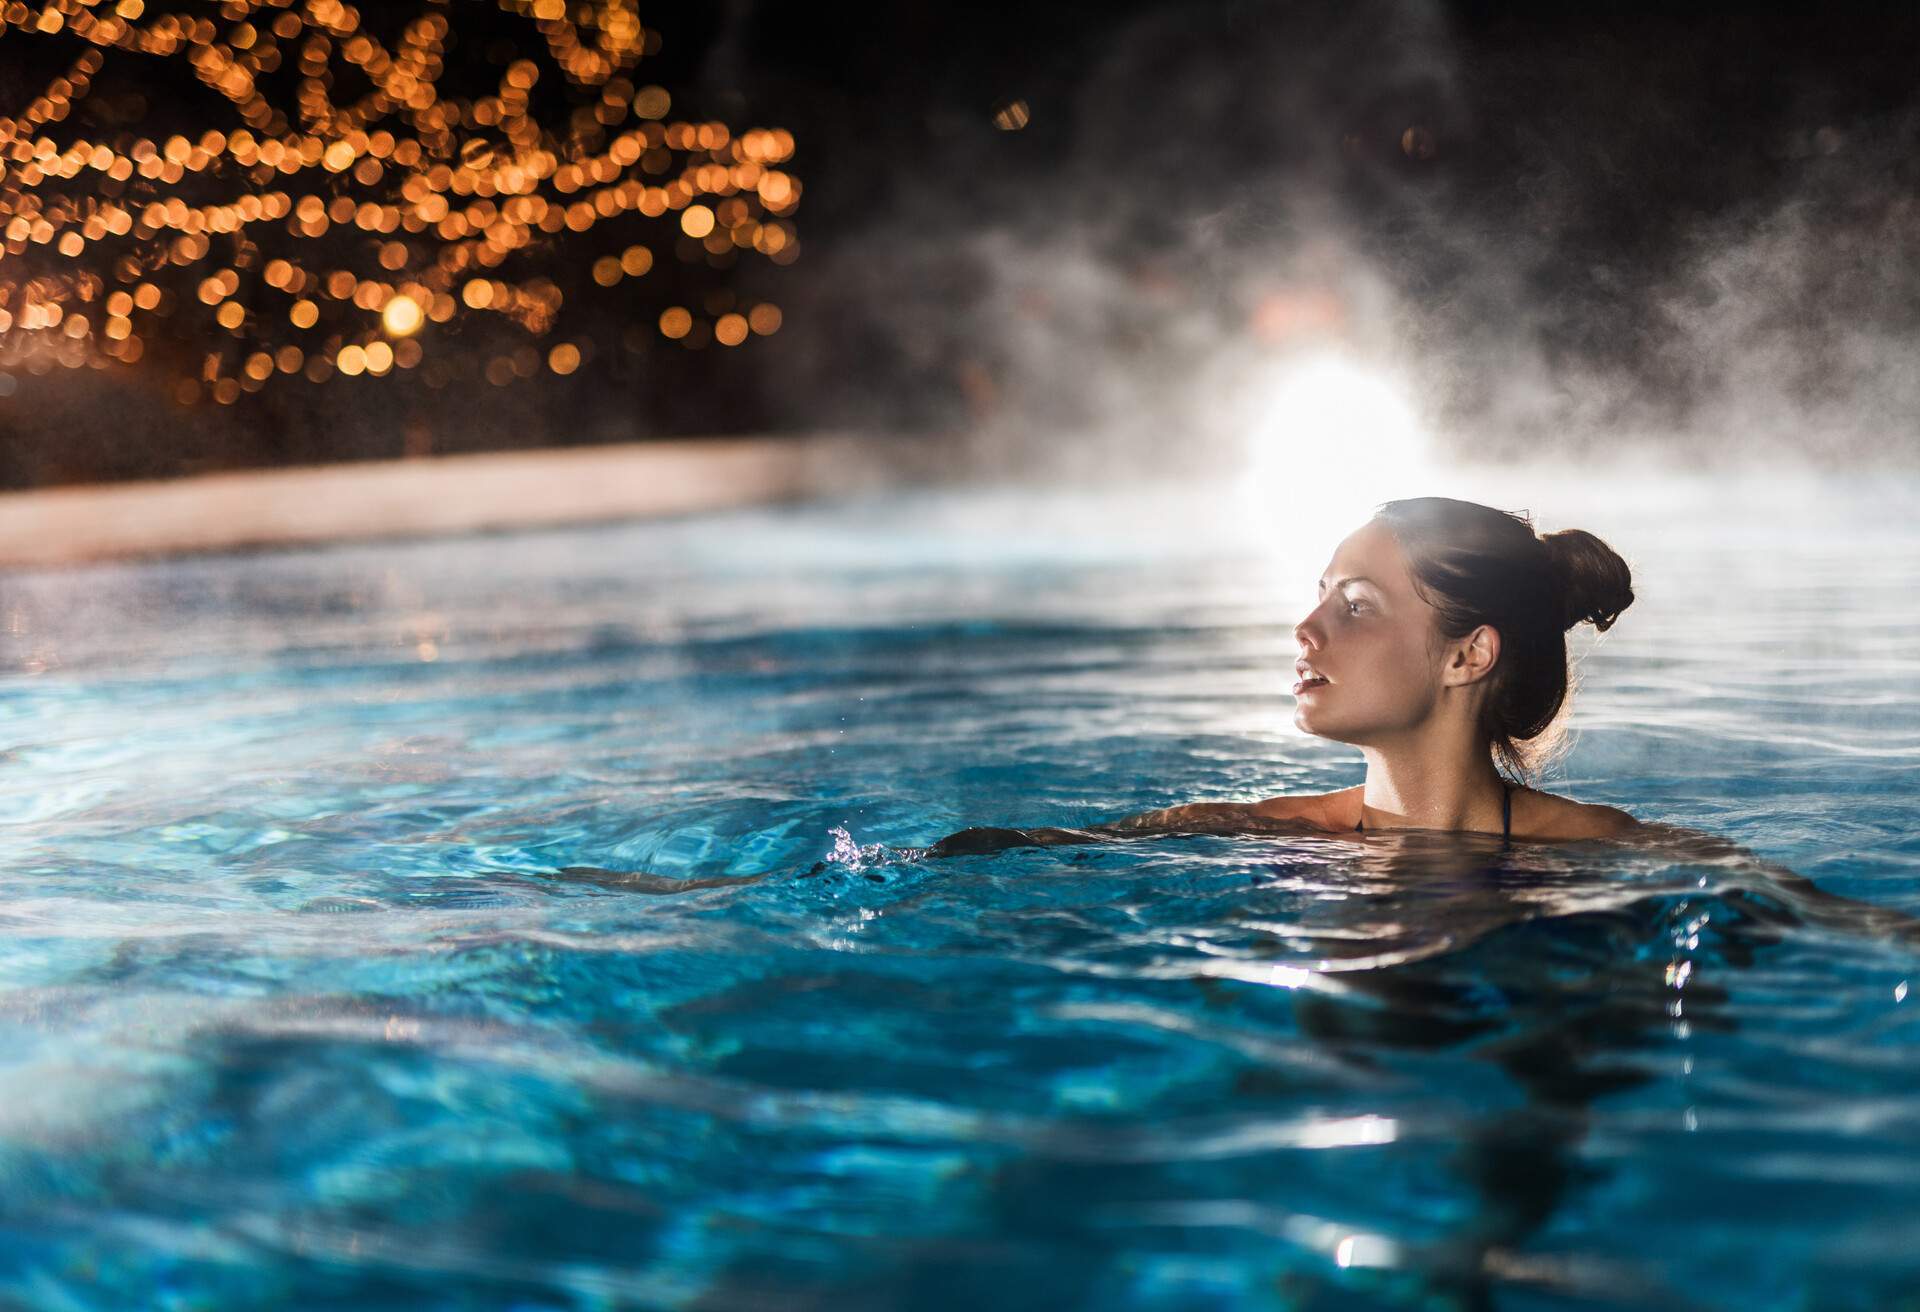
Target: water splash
{"x":872,"y":857}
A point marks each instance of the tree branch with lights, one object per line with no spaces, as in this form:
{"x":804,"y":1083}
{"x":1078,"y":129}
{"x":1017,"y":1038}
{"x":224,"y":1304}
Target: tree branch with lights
{"x":339,"y":209}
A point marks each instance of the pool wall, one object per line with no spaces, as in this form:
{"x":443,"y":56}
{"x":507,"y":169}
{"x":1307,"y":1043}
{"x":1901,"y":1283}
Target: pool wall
{"x":443,"y":494}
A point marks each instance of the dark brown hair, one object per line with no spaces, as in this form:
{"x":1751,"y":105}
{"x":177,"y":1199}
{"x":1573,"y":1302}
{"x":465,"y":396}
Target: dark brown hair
{"x":1476,"y":565}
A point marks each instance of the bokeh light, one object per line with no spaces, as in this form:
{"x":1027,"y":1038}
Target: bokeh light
{"x":349,"y":190}
{"x":402,"y":316}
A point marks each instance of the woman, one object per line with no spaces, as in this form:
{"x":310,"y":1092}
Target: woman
{"x":1437,"y":647}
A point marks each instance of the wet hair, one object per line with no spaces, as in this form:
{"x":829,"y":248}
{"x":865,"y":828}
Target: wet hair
{"x":1476,"y":565}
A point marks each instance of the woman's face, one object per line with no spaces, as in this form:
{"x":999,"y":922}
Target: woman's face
{"x":1372,"y":640}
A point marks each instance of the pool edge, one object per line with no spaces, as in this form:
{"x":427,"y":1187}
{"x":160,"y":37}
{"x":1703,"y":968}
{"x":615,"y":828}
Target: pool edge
{"x":427,"y":497}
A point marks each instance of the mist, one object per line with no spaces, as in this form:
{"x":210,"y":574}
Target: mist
{"x":1628,"y":239}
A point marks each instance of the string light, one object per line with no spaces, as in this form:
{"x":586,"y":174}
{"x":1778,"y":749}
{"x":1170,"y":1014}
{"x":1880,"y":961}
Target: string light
{"x":352,"y":202}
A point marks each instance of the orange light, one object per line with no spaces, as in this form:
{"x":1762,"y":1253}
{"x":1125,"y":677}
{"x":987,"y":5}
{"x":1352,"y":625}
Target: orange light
{"x":402,"y":316}
{"x":652,"y":102}
{"x":430,"y":195}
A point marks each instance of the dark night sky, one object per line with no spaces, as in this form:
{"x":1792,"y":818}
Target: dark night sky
{"x":1615,"y":177}
{"x":1657,"y":114}
{"x":1639,"y":199}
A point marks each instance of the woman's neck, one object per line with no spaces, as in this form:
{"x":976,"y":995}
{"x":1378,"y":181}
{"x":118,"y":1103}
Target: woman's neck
{"x":1432,"y":786}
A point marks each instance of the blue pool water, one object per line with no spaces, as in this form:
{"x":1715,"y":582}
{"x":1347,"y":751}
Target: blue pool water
{"x":441,"y":924}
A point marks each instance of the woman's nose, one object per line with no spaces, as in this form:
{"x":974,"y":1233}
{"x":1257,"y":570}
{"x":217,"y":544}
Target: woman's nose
{"x":1307,"y":633}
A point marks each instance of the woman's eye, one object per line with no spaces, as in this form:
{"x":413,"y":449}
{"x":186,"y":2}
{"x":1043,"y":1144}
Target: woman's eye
{"x":1354,"y":607}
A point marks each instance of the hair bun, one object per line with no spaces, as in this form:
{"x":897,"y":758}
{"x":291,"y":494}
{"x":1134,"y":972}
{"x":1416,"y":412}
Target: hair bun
{"x":1594,"y":581}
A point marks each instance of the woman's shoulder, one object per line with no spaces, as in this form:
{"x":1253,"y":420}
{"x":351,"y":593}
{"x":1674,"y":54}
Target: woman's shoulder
{"x":1319,"y":811}
{"x":1335,"y":810}
{"x":1550,"y":816}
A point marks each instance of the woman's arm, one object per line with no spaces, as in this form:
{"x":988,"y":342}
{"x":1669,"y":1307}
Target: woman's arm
{"x":1798,"y":894}
{"x":1218,"y":818}
{"x":982,"y":839}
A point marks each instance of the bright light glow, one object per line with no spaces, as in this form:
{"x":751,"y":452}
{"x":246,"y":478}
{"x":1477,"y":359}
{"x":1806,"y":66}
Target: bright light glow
{"x":402,"y":317}
{"x":1328,"y":439}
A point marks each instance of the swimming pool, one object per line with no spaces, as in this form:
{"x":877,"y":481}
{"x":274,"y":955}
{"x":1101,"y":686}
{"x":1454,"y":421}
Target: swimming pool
{"x":439,"y":924}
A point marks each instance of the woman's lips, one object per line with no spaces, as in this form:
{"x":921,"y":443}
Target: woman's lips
{"x":1309,"y":685}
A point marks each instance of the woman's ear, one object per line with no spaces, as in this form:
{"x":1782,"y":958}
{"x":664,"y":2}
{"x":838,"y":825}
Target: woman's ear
{"x":1472,"y":658}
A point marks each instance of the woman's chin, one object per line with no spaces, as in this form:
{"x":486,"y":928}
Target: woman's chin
{"x":1309,"y":720}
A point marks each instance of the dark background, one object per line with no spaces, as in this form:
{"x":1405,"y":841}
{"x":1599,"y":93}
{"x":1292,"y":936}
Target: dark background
{"x":1694,"y":225}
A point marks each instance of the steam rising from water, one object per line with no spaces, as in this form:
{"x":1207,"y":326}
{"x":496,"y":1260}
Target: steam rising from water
{"x":1524,"y":257}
